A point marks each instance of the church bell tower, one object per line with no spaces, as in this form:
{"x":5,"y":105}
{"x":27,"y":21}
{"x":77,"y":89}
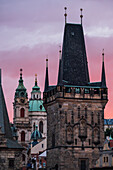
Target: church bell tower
{"x":21,"y":115}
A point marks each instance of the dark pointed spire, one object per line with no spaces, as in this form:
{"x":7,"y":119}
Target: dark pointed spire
{"x":103,"y":77}
{"x":60,"y":69}
{"x":4,"y":119}
{"x":0,"y":76}
{"x":47,"y":77}
{"x":74,"y":59}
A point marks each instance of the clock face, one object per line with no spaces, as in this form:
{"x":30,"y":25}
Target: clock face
{"x":22,"y":100}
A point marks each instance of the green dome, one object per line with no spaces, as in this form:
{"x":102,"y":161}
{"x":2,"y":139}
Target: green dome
{"x":36,"y":134}
{"x":36,"y":106}
{"x":36,"y":89}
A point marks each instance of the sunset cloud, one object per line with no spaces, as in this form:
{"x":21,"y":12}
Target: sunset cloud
{"x":31,"y":30}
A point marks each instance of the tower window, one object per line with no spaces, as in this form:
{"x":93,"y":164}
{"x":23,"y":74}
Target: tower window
{"x":98,"y":118}
{"x":11,"y":163}
{"x":37,"y":96}
{"x":23,"y":157}
{"x":89,"y":142}
{"x":41,"y":127}
{"x":53,"y":140}
{"x":22,"y":136}
{"x":75,"y":141}
{"x":86,"y":112}
{"x":78,"y":112}
{"x":40,"y":107}
{"x":77,"y":90}
{"x":92,"y":121}
{"x":34,"y":96}
{"x":22,"y":112}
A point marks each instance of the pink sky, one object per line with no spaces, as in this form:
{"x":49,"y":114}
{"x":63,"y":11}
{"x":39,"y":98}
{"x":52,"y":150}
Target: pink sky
{"x":31,"y":30}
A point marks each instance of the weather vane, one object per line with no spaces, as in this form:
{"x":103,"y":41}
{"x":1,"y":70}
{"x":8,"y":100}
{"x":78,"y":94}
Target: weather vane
{"x":81,"y":16}
{"x":65,"y":15}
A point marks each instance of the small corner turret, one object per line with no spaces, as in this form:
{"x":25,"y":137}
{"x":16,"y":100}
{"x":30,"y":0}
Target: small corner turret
{"x":46,"y":77}
{"x":103,"y":76}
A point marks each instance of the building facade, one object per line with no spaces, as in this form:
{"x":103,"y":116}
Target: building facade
{"x":28,"y":114}
{"x":10,"y":149}
{"x":37,"y":112}
{"x":75,"y":108}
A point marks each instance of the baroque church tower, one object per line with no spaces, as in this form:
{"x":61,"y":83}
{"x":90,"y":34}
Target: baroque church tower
{"x":75,"y":108}
{"x":21,"y":115}
{"x":37,"y":112}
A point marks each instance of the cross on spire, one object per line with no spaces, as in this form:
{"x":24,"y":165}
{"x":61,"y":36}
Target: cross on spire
{"x":65,"y":15}
{"x":81,"y":16}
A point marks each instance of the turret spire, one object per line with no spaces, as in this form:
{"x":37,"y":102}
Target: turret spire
{"x":81,"y":16}
{"x":103,"y":77}
{"x":35,"y":79}
{"x":59,"y":73}
{"x":65,"y":15}
{"x":47,"y":77}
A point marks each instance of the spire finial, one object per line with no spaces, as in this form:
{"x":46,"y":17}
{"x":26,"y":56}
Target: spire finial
{"x":46,"y":62}
{"x":35,"y":79}
{"x":65,"y":15}
{"x":103,"y":54}
{"x":59,"y":51}
{"x":21,"y":73}
{"x":81,"y":16}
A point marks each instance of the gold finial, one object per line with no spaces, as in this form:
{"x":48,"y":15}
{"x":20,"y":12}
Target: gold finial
{"x":103,"y":54}
{"x":81,"y":16}
{"x":65,"y":15}
{"x":35,"y":79}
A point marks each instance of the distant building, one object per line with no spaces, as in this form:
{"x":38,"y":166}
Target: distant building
{"x":108,"y":123}
{"x":27,"y":115}
{"x":75,"y":108}
{"x":106,"y":156}
{"x":38,"y":145}
{"x":10,"y":150}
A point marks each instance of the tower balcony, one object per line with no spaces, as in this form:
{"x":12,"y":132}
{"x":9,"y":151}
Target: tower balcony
{"x":75,"y":92}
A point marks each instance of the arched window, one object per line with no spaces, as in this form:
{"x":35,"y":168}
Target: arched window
{"x":41,"y":127}
{"x":78,"y":112}
{"x":23,"y":157}
{"x":53,"y":140}
{"x":22,"y":111}
{"x":22,"y":136}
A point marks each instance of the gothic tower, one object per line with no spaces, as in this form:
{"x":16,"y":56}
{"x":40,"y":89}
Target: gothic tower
{"x":21,"y":115}
{"x":75,"y":108}
{"x":37,"y":112}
